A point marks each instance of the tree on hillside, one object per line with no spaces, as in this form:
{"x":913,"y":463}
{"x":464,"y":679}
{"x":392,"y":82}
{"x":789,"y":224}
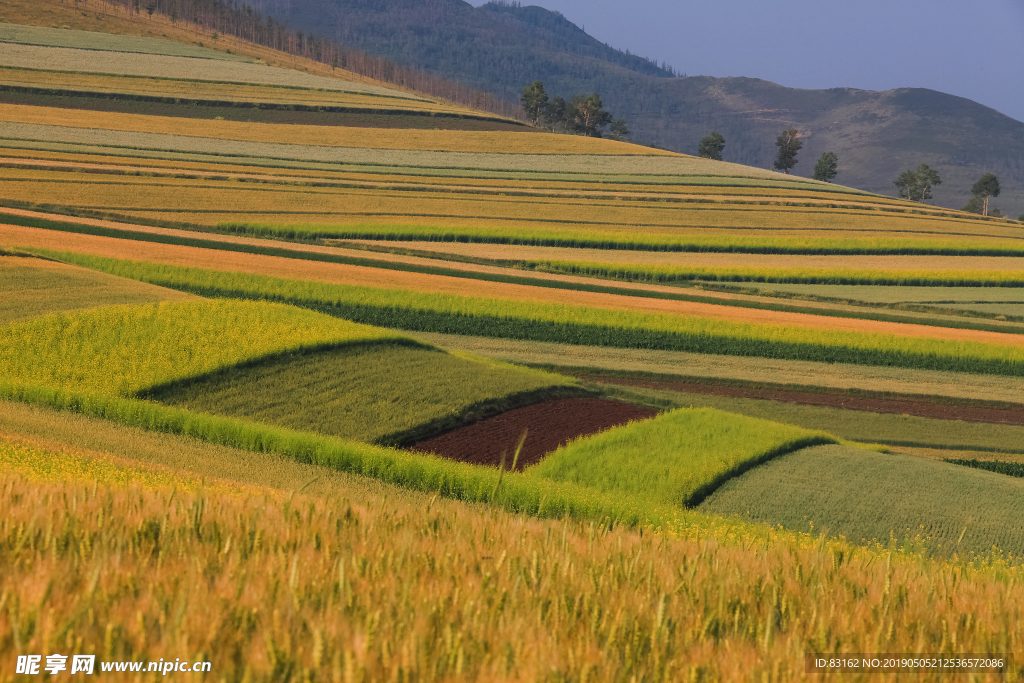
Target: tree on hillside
{"x":974,"y":205}
{"x":827,"y":167}
{"x":585,"y":116}
{"x":789,"y":143}
{"x":917,"y":185}
{"x":984,"y":189}
{"x":619,"y":129}
{"x":555,"y":112}
{"x":535,"y":101}
{"x":711,"y":147}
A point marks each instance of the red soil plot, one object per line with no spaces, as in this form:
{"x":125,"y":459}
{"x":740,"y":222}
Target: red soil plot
{"x":551,"y":424}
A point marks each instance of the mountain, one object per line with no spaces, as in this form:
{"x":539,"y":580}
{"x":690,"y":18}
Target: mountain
{"x":501,"y":47}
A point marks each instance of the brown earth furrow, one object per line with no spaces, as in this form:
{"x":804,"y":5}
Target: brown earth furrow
{"x":17,"y":236}
{"x":901,"y":405}
{"x":549,"y":425}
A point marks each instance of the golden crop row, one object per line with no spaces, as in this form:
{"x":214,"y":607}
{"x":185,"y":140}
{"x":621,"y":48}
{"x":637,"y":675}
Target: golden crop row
{"x":273,"y":203}
{"x":756,"y":190}
{"x":57,"y":465}
{"x":526,"y":142}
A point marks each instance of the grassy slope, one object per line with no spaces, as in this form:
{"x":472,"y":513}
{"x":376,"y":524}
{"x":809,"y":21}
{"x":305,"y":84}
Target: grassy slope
{"x":376,"y":393}
{"x":121,"y":350}
{"x":676,"y":458}
{"x":864,"y":496}
{"x":35,"y":287}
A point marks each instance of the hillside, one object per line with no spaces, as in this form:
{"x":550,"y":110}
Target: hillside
{"x":502,"y":48}
{"x":328,"y":378}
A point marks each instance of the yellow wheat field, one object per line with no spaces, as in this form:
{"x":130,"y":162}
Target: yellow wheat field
{"x":407,"y":590}
{"x":209,"y":202}
{"x":93,"y":162}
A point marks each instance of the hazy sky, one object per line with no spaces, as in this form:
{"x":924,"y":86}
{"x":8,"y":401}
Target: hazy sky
{"x":970,"y":48}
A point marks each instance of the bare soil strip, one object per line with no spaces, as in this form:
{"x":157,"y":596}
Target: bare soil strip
{"x":899,"y":405}
{"x":841,"y":376}
{"x":549,"y":425}
{"x":276,"y":266}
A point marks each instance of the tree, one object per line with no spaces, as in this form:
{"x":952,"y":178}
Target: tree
{"x":711,"y":147}
{"x":585,"y":115}
{"x":789,"y":144}
{"x":619,"y":129}
{"x":985,"y":188}
{"x":827,"y":167}
{"x":555,"y":112}
{"x":974,"y":205}
{"x":917,"y":185}
{"x":535,"y":101}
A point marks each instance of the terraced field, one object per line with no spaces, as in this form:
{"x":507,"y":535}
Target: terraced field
{"x":867,"y":496}
{"x":48,"y":287}
{"x":492,"y":403}
{"x":382,"y":393}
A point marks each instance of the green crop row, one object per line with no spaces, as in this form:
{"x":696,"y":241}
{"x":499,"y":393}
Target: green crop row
{"x":677,"y":458}
{"x":539,"y":321}
{"x":597,"y":239}
{"x":1012,"y":469}
{"x":809,"y":276}
{"x":122,"y":350}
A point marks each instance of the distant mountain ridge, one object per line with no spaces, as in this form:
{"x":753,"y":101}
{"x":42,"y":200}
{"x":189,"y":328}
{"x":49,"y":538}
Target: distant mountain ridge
{"x":501,"y":47}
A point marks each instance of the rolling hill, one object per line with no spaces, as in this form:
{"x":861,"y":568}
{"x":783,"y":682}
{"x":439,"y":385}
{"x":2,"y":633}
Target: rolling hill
{"x":326,"y":378}
{"x":503,"y":47}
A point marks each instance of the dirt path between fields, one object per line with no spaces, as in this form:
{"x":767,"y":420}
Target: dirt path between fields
{"x":549,"y":425}
{"x":899,"y":405}
{"x":363,"y":276}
